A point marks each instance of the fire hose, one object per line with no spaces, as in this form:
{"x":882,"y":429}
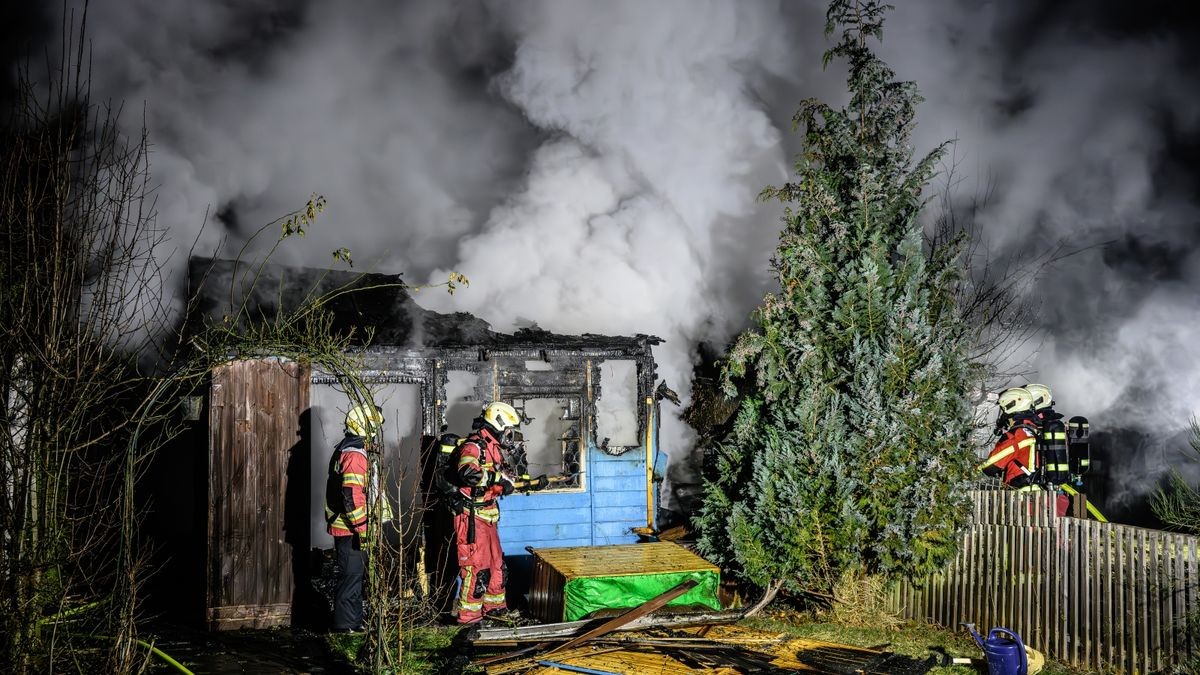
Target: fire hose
{"x":1090,"y":507}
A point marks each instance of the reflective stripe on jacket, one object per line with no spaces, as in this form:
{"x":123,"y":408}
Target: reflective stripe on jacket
{"x":1015,"y":455}
{"x":346,"y":495}
{"x":480,"y":463}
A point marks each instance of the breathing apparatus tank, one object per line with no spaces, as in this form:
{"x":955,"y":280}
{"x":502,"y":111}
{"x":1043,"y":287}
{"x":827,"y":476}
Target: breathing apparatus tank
{"x":1053,"y":452}
{"x":1078,"y":448}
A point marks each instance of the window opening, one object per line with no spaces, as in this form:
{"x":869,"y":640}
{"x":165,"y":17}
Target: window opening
{"x":463,"y":404}
{"x":617,"y":406}
{"x":550,"y":439}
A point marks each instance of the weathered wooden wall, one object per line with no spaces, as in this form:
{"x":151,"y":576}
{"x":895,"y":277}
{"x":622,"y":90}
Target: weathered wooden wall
{"x":1094,"y":595}
{"x":255,"y":419}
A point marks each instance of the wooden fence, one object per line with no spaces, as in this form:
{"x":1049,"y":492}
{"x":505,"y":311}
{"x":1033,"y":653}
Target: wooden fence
{"x":1094,"y":595}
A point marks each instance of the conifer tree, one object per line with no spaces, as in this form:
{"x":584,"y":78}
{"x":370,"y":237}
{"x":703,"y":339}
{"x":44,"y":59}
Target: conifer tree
{"x":850,"y":451}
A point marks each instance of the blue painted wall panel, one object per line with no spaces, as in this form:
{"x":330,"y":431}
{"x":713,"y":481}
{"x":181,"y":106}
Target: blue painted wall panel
{"x":619,"y":530}
{"x":518,"y":537}
{"x":624,"y":498}
{"x":544,"y":500}
{"x":614,"y":500}
{"x":619,"y":484}
{"x":619,"y":514}
{"x":513,"y":550}
{"x":547,"y":517}
{"x":620,"y":466}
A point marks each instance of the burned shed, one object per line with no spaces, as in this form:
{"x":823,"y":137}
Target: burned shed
{"x":590,"y":401}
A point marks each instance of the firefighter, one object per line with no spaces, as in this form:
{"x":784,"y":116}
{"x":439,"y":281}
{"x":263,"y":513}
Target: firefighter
{"x":1014,"y":458}
{"x":483,"y":478}
{"x":346,"y":512}
{"x":1054,"y":460}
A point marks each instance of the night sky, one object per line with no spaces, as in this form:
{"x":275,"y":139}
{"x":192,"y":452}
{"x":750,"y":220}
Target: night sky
{"x":594,"y":166}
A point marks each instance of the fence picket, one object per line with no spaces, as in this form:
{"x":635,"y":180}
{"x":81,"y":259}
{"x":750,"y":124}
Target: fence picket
{"x":1100,"y":596}
{"x":1099,"y":582}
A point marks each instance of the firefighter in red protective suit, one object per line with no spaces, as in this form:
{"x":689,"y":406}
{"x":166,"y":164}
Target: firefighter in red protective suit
{"x":346,"y":513}
{"x":1014,"y":459}
{"x":481,"y":473}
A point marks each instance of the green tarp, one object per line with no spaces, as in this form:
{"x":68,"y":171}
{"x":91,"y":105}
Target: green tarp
{"x":585,"y":595}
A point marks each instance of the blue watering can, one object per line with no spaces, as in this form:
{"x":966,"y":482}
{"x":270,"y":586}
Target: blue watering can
{"x":1005,"y":655}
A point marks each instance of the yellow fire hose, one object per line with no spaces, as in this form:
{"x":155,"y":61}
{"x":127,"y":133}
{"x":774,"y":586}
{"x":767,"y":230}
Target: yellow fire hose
{"x":1090,"y":507}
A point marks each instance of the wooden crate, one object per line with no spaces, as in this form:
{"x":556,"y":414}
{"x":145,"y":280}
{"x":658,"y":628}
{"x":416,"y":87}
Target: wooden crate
{"x":555,"y":568}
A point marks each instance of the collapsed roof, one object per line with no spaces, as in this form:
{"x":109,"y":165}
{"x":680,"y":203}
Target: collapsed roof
{"x":379,"y":302}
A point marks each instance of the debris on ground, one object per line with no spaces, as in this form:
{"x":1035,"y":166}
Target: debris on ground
{"x":635,"y":642}
{"x":700,"y":649}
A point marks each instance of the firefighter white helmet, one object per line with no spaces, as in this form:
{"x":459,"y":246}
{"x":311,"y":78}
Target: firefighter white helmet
{"x":364,"y":420}
{"x":501,"y":416}
{"x":1015,"y":400}
{"x":1041,"y":395}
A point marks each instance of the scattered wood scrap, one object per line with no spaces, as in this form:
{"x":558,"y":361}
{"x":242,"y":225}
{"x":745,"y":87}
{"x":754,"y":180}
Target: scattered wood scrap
{"x":630,"y":616}
{"x":636,"y":642}
{"x":715,"y":649}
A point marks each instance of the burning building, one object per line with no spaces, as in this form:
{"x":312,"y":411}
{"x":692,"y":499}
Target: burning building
{"x":265,"y":429}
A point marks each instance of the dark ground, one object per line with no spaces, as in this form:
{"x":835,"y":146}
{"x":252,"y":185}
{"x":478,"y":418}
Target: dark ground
{"x":282,"y":650}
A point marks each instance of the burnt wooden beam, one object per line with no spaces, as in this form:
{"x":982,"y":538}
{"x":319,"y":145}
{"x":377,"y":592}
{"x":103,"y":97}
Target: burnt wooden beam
{"x":572,"y":628}
{"x":630,"y":616}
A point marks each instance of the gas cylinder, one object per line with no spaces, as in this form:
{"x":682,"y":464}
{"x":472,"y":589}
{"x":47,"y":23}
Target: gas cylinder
{"x":1003,"y":649}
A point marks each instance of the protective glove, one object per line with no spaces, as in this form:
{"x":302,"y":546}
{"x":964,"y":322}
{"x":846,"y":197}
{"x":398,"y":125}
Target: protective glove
{"x":535,"y":484}
{"x":363,"y":539}
{"x":505,"y":484}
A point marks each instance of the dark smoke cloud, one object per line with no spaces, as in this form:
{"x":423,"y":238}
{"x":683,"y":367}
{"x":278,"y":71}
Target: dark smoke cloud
{"x":593,"y":166}
{"x":1084,"y":120}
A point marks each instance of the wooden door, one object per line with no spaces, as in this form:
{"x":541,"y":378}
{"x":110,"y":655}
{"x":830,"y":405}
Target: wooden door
{"x":256,"y":425}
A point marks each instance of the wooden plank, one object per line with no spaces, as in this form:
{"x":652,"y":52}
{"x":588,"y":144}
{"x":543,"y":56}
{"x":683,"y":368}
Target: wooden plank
{"x":1109,"y":582}
{"x":622,"y":467}
{"x":1136,"y":601}
{"x":1192,"y":585}
{"x":1078,"y":565}
{"x":994,"y":597}
{"x":1128,"y":586}
{"x":1095,"y":618}
{"x":1025,"y":580}
{"x":1065,"y":589}
{"x":972,"y":604}
{"x":1003,"y":578}
{"x":961,"y":582}
{"x":1143,"y":591}
{"x":517,"y":502}
{"x":630,"y":616}
{"x":1168,"y":581}
{"x":1158,"y":544}
{"x":1119,"y":601}
{"x":1045,"y":590}
{"x":1179,"y":598}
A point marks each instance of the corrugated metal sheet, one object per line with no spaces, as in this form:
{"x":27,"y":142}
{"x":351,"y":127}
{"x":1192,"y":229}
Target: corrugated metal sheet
{"x":254,"y":422}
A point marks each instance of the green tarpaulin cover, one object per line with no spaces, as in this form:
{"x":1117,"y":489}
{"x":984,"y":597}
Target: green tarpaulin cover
{"x":585,"y":595}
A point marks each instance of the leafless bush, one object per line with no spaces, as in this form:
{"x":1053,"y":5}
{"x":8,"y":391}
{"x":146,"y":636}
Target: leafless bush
{"x":80,"y":300}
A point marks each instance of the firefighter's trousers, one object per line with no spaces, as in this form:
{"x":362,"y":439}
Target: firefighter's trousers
{"x":481,"y":567}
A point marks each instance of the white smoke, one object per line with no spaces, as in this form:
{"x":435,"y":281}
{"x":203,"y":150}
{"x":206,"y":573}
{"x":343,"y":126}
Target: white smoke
{"x":1068,"y":118}
{"x":593,"y":166}
{"x":636,"y":213}
{"x":253,"y":106}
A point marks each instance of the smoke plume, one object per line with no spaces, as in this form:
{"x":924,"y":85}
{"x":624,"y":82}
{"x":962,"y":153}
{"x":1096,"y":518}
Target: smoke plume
{"x":594,"y":166}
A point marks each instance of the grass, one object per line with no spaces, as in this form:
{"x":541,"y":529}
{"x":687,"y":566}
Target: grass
{"x":430,"y":649}
{"x":909,"y":639}
{"x":427,"y":649}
